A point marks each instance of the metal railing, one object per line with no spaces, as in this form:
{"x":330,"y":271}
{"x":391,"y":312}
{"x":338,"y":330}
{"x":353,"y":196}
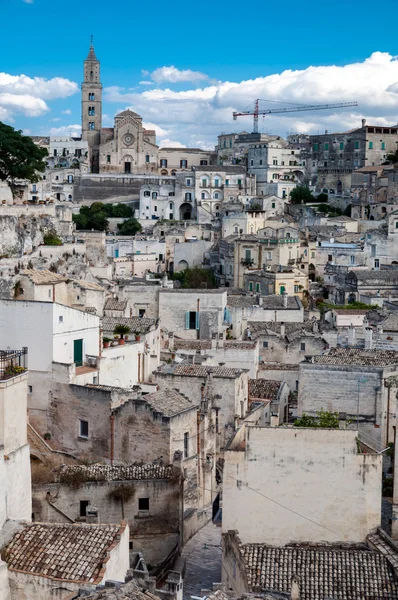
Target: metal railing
{"x":12,"y":363}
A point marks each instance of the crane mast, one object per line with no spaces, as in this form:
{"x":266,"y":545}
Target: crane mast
{"x":256,"y":112}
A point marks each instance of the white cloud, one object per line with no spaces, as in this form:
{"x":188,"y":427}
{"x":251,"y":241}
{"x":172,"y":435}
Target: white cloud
{"x":147,"y":83}
{"x":55,"y":120}
{"x":170,"y":144}
{"x":73,"y":130}
{"x":197,"y":116}
{"x":173,"y":75}
{"x":159,"y":131}
{"x":66,"y":112}
{"x":20,"y":94}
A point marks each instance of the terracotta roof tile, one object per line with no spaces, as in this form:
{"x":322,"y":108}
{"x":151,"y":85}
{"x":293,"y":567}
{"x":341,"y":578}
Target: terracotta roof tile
{"x":114,"y":304}
{"x":117,"y":472}
{"x":323,"y":572}
{"x":55,"y":551}
{"x":168,"y":402}
{"x":357,"y":356}
{"x":203,"y":371}
{"x":266,"y":389}
{"x":43,"y":277}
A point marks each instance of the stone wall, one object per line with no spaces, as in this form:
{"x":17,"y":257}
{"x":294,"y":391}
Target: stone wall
{"x":154,"y":533}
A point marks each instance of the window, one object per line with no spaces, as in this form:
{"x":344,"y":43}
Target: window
{"x":171,"y":206}
{"x":370,"y":145}
{"x":191,"y":319}
{"x":273,"y":205}
{"x":147,"y":194}
{"x":154,"y":195}
{"x":261,"y":162}
{"x":216,"y":195}
{"x":188,"y":196}
{"x":171,"y":194}
{"x":269,"y":255}
{"x":143,"y":503}
{"x":341,"y":145}
{"x":296,"y":289}
{"x":186,"y":444}
{"x":155,"y":209}
{"x":30,"y":389}
{"x":326,"y":146}
{"x":315,"y":147}
{"x":61,"y":319}
{"x":83,"y":429}
{"x":183,"y":163}
{"x":352,"y":260}
{"x":257,"y":287}
{"x":383,"y":145}
{"x":396,"y":224}
{"x":204,"y":182}
{"x":227,"y":182}
{"x":49,"y":293}
{"x":91,"y":126}
{"x":356,"y":145}
{"x":251,"y":162}
{"x":83,"y":507}
{"x":330,"y":257}
{"x":91,"y":96}
{"x":239,"y":182}
{"x":141,"y":312}
{"x":250,"y":286}
{"x":274,"y":175}
{"x":147,"y":158}
{"x":216,"y":182}
{"x":188,"y":182}
{"x":91,"y":111}
{"x":377,"y":263}
{"x":108,"y":158}
{"x":163,"y":162}
{"x":302,"y":346}
{"x":203,"y":163}
{"x":265,"y":344}
{"x":275,"y":162}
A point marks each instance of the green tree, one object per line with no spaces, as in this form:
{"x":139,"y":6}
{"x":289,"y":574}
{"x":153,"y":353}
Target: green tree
{"x":122,"y":211}
{"x":392,"y":158}
{"x":301,"y":194}
{"x":196,"y":278}
{"x":20,"y":158}
{"x":324,"y":419}
{"x":129,"y":227}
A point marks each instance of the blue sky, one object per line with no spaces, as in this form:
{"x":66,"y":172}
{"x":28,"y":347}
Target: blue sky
{"x":224,"y":56}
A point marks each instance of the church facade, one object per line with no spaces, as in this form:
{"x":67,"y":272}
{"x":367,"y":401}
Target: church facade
{"x":123,"y":149}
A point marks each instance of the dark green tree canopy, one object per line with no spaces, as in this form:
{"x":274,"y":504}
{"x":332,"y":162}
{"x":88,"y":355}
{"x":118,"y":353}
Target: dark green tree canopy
{"x":129,"y":227}
{"x":96,"y":216}
{"x":20,"y":158}
{"x":301,"y":194}
{"x":195,"y":278}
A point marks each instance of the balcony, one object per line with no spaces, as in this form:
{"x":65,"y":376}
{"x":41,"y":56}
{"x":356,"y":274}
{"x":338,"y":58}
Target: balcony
{"x":247,"y":261}
{"x":12,"y":363}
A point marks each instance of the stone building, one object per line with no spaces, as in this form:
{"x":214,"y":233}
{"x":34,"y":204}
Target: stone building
{"x":50,"y":561}
{"x":332,"y":157}
{"x":229,"y":391}
{"x":193,"y":314}
{"x":275,"y":280}
{"x":15,"y":489}
{"x":275,"y":395}
{"x":276,"y":162}
{"x":174,"y":160}
{"x":147,"y":496}
{"x":286,"y":343}
{"x":365,"y":391}
{"x":340,"y":489}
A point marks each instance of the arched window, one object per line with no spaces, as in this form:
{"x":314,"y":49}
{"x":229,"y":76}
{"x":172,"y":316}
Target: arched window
{"x":147,"y":194}
{"x":91,"y":126}
{"x":91,"y":75}
{"x":202,"y":195}
{"x":91,"y":111}
{"x":215,"y":196}
{"x":91,"y":96}
{"x":70,"y":197}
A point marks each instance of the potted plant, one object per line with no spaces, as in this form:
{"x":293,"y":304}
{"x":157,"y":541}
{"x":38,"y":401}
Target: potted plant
{"x":106,"y":341}
{"x":137,"y":336}
{"x":121,"y":330}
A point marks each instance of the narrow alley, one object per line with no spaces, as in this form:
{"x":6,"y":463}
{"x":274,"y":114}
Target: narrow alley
{"x":203,"y":561}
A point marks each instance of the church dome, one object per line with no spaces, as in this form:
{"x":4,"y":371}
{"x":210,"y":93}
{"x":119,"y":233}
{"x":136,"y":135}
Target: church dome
{"x":128,"y":113}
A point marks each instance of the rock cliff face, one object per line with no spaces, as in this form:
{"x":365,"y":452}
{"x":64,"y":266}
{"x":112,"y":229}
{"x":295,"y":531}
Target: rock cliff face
{"x":20,"y":235}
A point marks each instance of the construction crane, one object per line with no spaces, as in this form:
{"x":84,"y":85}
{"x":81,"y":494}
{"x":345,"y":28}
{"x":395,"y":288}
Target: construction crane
{"x":297,"y":108}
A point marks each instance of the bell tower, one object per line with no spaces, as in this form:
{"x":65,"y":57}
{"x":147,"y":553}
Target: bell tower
{"x":92,"y":107}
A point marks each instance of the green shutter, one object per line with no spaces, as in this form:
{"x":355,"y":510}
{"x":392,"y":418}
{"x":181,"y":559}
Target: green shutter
{"x":341,"y":145}
{"x":78,"y":352}
{"x":187,"y":320}
{"x":197,"y":320}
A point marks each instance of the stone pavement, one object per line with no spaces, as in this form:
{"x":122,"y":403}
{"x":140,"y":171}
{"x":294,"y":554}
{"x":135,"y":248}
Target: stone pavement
{"x":203,"y":561}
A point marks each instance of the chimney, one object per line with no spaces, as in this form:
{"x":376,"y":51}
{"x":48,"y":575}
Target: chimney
{"x":368,"y":338}
{"x":282,"y":329}
{"x":284,"y":296}
{"x":92,"y":514}
{"x":363,"y":122}
{"x":295,"y":590}
{"x":274,"y":421}
{"x":351,"y":335}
